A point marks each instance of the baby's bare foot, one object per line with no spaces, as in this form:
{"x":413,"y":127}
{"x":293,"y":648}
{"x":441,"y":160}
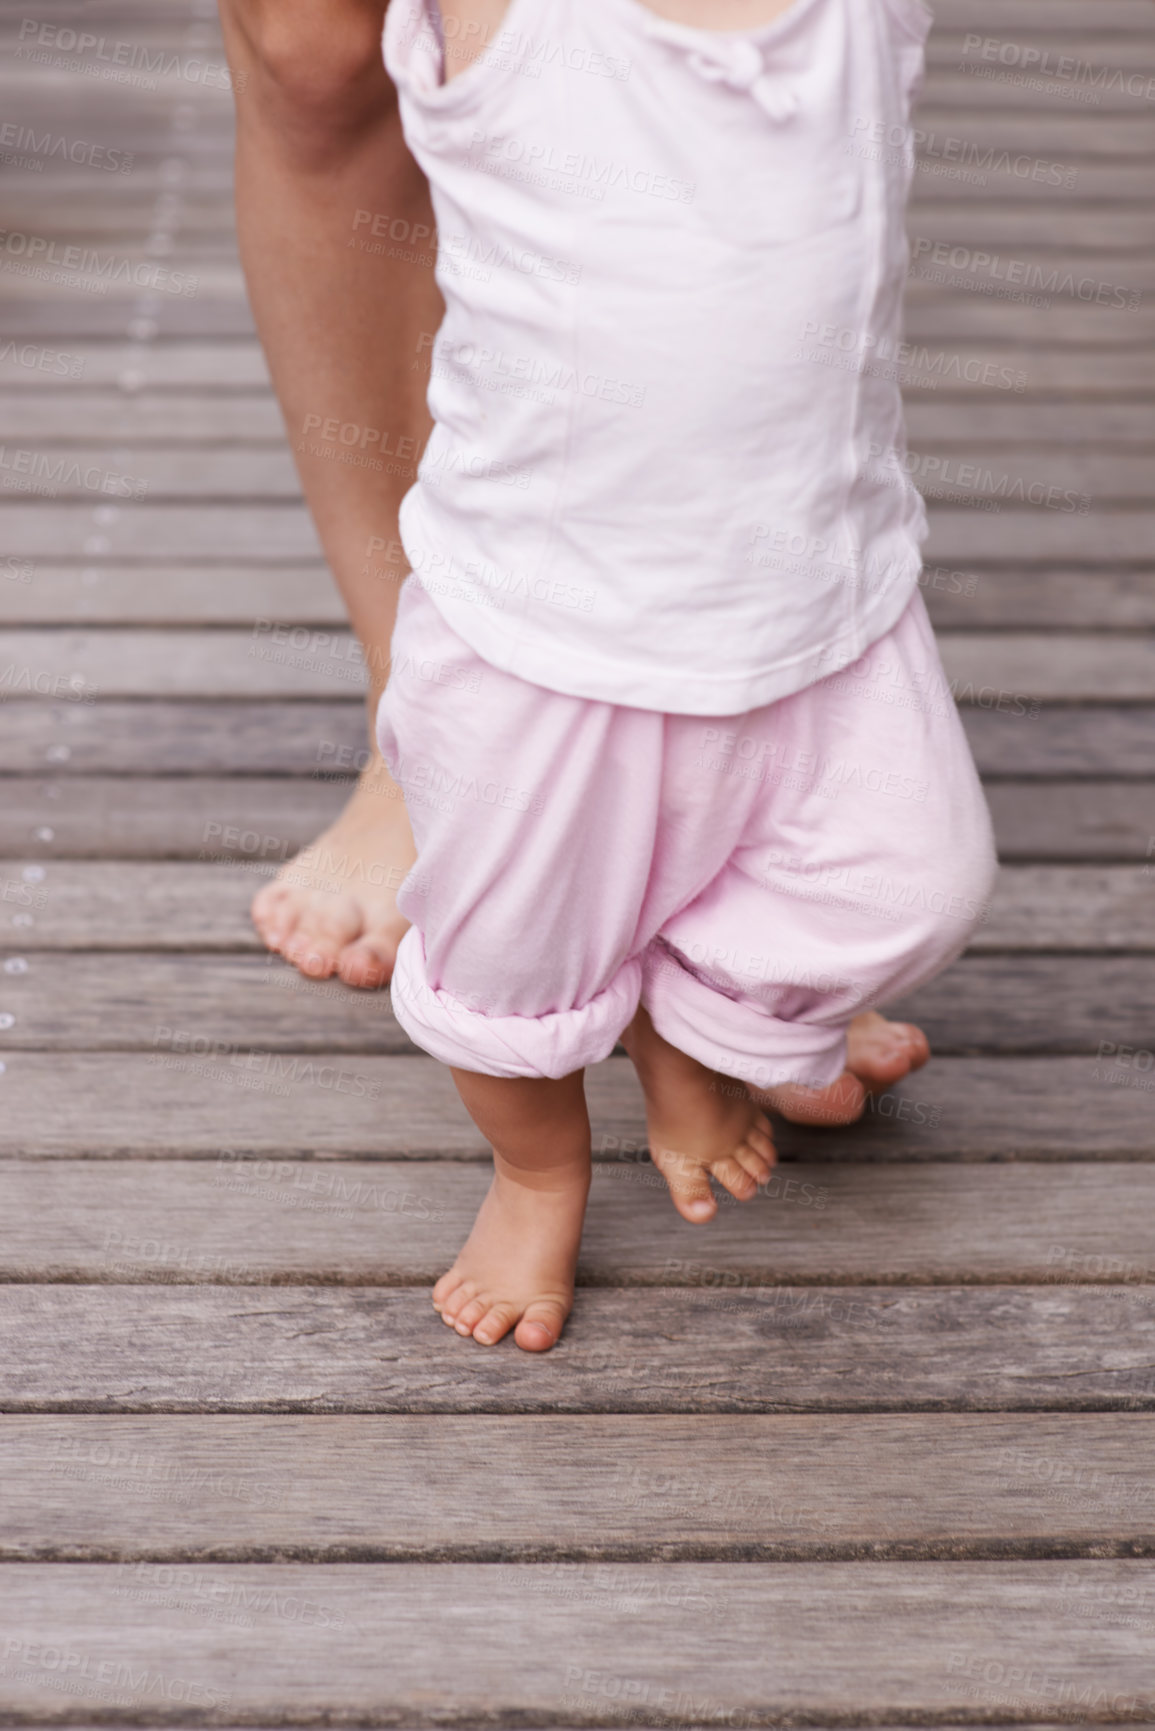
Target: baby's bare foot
{"x":333,"y":909}
{"x":879,"y":1053}
{"x":700,"y":1125}
{"x":516,"y":1269}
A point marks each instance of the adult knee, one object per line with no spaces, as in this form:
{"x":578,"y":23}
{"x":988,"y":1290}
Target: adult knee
{"x":318,"y":60}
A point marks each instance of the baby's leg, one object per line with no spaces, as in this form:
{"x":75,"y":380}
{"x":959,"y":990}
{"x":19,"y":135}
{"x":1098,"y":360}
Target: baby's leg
{"x":865,"y":863}
{"x":516,"y":1269}
{"x":700,"y":1124}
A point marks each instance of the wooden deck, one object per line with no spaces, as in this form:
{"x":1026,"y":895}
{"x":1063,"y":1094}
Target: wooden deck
{"x":878,"y":1449}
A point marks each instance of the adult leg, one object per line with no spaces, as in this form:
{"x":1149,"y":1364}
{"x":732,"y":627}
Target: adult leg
{"x":319,"y":141}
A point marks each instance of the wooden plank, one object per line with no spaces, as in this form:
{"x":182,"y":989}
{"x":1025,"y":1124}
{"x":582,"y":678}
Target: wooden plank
{"x":228,"y":1003}
{"x":1017,"y":596}
{"x":266,"y":821}
{"x":1022,"y":1003}
{"x":403,"y":1487}
{"x":1020,"y":420}
{"x":943,"y":468}
{"x":1129,"y":51}
{"x":162,"y":592}
{"x":1068,"y":666}
{"x":138,"y":530}
{"x":165,"y":593}
{"x":173,"y":905}
{"x":1058,"y":740}
{"x":962,"y":167}
{"x":274,"y":658}
{"x":1071,"y":908}
{"x":236,"y":366}
{"x":949,"y":88}
{"x":249,"y":1222}
{"x":277,"y":658}
{"x":775,"y":1349}
{"x":315,"y":738}
{"x":756,"y":1644}
{"x":309,"y":738}
{"x":1100,"y":820}
{"x":221,"y":1004}
{"x":959,"y":536}
{"x":291,"y":1104}
{"x":66,"y":471}
{"x":969,"y":314}
{"x":215,"y":419}
{"x":218,"y":417}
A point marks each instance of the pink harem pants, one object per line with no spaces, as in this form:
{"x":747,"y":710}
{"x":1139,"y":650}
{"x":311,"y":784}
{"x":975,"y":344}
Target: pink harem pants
{"x":754,"y":880}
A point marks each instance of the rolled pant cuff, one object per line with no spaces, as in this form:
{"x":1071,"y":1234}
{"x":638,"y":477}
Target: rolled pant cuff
{"x":552,"y":1045}
{"x":737,"y":1037}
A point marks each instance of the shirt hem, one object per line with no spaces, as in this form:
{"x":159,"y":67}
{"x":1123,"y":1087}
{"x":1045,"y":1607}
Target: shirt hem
{"x":631,"y":686}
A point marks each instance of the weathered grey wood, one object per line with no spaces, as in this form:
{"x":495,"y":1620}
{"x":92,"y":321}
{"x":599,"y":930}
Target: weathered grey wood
{"x":309,"y":738}
{"x":945,"y":314}
{"x":79,"y":471}
{"x":1015,"y":419}
{"x":405,"y":1487}
{"x":1058,"y":739}
{"x":765,"y":1642}
{"x":141,"y":531}
{"x":1022,"y":1003}
{"x":236,"y":364}
{"x":254,"y":1221}
{"x":1070,"y":666}
{"x":226,"y":1003}
{"x":1101,"y":597}
{"x":1070,"y":908}
{"x":1114,"y":534}
{"x":264,"y":472}
{"x":212,"y":418}
{"x":770,"y":1349}
{"x":262,"y":821}
{"x":195,"y":419}
{"x":1074,"y":820}
{"x":273,"y":658}
{"x":163,"y":593}
{"x":289,"y":1104}
{"x":154,"y":1001}
{"x":176,"y":905}
{"x":233,"y":366}
{"x":317,"y":738}
{"x":276,"y":657}
{"x":266,"y":821}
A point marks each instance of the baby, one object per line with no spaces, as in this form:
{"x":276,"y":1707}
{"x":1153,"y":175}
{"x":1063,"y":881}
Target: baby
{"x":682,"y":766}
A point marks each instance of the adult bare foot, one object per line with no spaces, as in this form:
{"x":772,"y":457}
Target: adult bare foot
{"x":333,"y":909}
{"x":516,"y":1268}
{"x":700,"y":1125}
{"x":879,"y":1053}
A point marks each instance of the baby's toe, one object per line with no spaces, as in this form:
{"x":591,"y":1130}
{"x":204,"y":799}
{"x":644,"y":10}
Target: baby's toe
{"x":457,"y":1300}
{"x":445,"y":1287}
{"x":496,"y":1323}
{"x":754,"y":1162}
{"x":734,"y":1177}
{"x":471,"y":1314}
{"x":540,"y":1328}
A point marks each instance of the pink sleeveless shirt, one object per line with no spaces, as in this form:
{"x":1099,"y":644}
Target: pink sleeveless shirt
{"x":663,"y":467}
